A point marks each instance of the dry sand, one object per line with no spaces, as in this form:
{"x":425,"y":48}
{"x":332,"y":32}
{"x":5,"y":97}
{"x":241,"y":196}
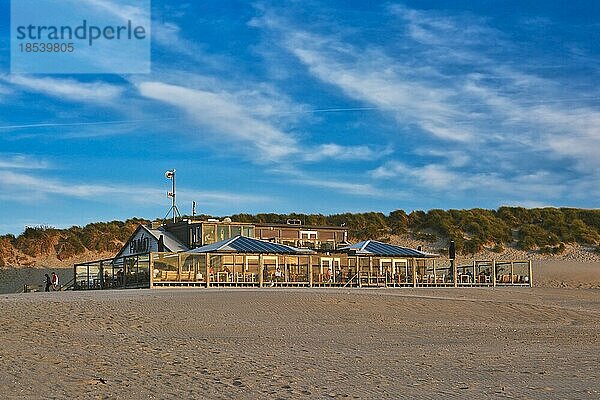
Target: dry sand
{"x":535,"y":343}
{"x":555,"y":273}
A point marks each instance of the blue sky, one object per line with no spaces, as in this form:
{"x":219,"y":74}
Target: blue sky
{"x":312,"y":106}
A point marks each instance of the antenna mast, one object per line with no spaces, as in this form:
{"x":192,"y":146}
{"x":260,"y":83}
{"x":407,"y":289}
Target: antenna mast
{"x":171,"y":175}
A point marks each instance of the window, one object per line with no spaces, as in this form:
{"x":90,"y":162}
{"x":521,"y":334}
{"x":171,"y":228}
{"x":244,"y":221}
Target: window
{"x":222,"y":232}
{"x":236,"y":230}
{"x":308,"y":235}
{"x":248,"y":231}
{"x":209,"y":234}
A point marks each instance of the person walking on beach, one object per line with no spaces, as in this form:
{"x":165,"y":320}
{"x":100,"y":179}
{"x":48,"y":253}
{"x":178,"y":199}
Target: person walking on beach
{"x":54,"y":281}
{"x":47,"y":282}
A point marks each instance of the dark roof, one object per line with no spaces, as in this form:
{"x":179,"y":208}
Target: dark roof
{"x":375,"y":248}
{"x":242,"y":244}
{"x":172,"y":244}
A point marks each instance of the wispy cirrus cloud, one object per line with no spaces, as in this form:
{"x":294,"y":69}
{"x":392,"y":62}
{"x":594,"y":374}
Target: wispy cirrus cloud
{"x":444,"y":179}
{"x":21,"y":161}
{"x":332,"y":151}
{"x":374,"y":77}
{"x":19,"y":186}
{"x":64,"y":88}
{"x":445,"y":77}
{"x":256,"y":121}
{"x":4,"y":90}
{"x":228,"y":116}
{"x":165,"y":33}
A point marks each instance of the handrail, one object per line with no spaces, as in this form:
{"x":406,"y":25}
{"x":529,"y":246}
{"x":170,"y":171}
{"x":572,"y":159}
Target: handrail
{"x":351,"y":279}
{"x":68,"y":285}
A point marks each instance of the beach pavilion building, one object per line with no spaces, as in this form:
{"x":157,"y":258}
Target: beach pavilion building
{"x":293,"y":255}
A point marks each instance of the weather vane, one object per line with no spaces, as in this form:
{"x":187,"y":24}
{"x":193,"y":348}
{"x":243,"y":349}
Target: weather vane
{"x":172,"y":194}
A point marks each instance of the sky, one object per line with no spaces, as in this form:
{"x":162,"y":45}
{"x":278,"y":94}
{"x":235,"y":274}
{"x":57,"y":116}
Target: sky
{"x":315,"y":107}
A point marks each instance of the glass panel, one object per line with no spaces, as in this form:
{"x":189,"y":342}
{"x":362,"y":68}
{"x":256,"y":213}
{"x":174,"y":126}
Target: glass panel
{"x":483,"y":272}
{"x":520,"y":272}
{"x":166,"y":267}
{"x":270,"y":266}
{"x":193,"y":268}
{"x":126,"y":271}
{"x":209,"y":234}
{"x":465,"y":273}
{"x":236,"y":231}
{"x":222,"y":232}
{"x":224,"y":271}
{"x":251,"y":272}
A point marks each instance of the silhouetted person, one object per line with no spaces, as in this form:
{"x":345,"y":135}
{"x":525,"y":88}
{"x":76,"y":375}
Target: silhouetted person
{"x":47,"y":282}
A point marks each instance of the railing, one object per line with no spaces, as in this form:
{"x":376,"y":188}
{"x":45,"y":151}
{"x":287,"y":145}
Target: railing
{"x":205,"y":270}
{"x":68,"y":286}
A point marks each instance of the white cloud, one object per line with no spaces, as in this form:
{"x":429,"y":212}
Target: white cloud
{"x":435,"y":28}
{"x":165,"y":33}
{"x":372,"y":77}
{"x":69,"y":89}
{"x":16,"y":186}
{"x":228,"y":116}
{"x":440,"y":178}
{"x":21,"y":161}
{"x":335,"y":152}
{"x":121,"y":10}
{"x":493,"y":126}
{"x":454,"y":158}
{"x":351,"y":188}
{"x":12,"y":183}
{"x":4,"y":90}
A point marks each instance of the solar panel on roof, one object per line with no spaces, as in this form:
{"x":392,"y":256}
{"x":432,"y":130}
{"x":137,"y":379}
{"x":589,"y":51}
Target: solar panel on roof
{"x":373,"y":247}
{"x":242,"y":244}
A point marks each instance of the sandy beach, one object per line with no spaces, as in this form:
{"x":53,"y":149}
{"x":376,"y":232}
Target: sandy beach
{"x":531,"y":343}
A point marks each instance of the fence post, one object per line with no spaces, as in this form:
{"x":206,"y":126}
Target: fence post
{"x":358,"y":272}
{"x":310,"y":272}
{"x":207,"y":265}
{"x":261,"y":270}
{"x":454,"y":271}
{"x":151,"y":269}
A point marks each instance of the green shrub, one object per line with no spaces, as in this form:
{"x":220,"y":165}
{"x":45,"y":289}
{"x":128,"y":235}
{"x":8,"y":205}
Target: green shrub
{"x":498,"y":248}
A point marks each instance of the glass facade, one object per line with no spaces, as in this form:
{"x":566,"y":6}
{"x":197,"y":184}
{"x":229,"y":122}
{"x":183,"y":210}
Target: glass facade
{"x":212,"y":233}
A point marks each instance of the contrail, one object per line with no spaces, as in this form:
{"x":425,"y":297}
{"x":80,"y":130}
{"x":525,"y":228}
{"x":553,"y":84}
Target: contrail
{"x":135,"y":121}
{"x":51,"y":125}
{"x":324,"y":110}
{"x":314,"y":111}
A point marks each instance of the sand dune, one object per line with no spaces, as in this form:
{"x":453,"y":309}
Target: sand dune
{"x":302,"y":343}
